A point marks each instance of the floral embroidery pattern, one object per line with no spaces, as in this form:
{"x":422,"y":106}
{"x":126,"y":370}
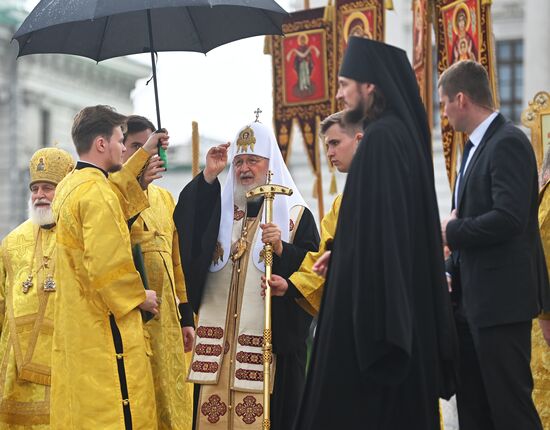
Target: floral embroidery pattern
{"x":210,"y":332}
{"x":249,"y":357}
{"x":249,"y":410}
{"x":214,"y":408}
{"x":247,"y":340}
{"x":205,"y":349}
{"x":204,"y":366}
{"x":249,"y":375}
{"x":226,"y":349}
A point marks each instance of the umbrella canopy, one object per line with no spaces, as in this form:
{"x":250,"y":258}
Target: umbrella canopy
{"x":103,"y":29}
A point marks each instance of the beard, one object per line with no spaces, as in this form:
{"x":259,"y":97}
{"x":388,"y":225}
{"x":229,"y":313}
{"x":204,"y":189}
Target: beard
{"x":239,"y":192}
{"x":357,"y":114}
{"x":41,"y":215}
{"x":114,"y":168}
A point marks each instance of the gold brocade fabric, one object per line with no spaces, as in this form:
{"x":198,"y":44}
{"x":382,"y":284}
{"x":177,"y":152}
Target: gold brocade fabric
{"x":540,"y":353}
{"x":96,"y":278}
{"x":304,"y":279}
{"x":128,"y":190}
{"x":155,"y":231}
{"x":540,"y":366}
{"x":26,"y":327}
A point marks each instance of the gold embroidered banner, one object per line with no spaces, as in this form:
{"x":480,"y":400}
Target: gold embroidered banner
{"x":303,"y":73}
{"x":463,"y":32}
{"x":422,"y":53}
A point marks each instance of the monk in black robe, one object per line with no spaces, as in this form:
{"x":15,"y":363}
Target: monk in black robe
{"x":207,"y":251}
{"x":385,"y":342}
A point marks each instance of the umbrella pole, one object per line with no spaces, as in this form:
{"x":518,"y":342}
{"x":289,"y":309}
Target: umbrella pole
{"x":161,"y":152}
{"x":153,"y":66}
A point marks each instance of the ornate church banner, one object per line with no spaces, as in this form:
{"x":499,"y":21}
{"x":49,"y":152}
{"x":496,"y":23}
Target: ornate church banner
{"x":537,"y":118}
{"x":422,"y":52}
{"x":303,"y":76}
{"x":463,"y":32}
{"x":302,"y":79}
{"x":361,"y":18}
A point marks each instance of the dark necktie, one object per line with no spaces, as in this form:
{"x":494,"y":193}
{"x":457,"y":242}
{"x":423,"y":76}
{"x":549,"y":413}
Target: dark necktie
{"x":465,"y":154}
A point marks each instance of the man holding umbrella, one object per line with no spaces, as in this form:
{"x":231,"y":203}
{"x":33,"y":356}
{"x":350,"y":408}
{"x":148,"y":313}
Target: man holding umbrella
{"x":155,"y":232}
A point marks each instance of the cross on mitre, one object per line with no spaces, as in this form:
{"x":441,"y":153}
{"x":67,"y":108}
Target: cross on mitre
{"x":257,"y":112}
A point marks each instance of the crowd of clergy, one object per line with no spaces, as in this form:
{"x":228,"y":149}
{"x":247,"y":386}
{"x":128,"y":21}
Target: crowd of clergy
{"x":121,"y":308}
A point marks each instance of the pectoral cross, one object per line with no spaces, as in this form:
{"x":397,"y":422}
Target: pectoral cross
{"x":257,"y":112}
{"x":27,"y":284}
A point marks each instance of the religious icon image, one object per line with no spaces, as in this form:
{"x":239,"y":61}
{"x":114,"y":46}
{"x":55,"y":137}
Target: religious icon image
{"x":462,"y":31}
{"x":305,"y":79}
{"x":40,"y":167}
{"x":359,"y":23}
{"x":246,"y":139}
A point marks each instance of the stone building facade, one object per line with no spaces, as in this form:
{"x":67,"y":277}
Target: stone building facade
{"x":39,"y":96}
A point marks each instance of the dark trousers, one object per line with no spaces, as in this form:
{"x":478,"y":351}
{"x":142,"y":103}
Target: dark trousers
{"x":494,"y":391}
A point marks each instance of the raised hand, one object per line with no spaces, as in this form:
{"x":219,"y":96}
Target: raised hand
{"x":151,"y":146}
{"x":216,"y":160}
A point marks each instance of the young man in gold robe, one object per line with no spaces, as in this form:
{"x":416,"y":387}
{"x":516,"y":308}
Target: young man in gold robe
{"x":540,"y":337}
{"x":341,"y":139}
{"x":27,"y":294}
{"x":101,"y":372}
{"x":172,"y":333}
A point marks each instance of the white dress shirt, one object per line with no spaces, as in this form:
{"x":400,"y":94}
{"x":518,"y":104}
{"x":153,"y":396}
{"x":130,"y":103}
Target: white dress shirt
{"x":475,"y":138}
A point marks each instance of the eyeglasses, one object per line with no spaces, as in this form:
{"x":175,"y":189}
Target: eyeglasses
{"x":250,"y":161}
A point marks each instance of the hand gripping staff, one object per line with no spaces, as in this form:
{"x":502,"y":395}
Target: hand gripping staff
{"x":268,"y":191}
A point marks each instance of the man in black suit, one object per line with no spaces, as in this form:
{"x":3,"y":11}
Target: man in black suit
{"x":497,"y":256}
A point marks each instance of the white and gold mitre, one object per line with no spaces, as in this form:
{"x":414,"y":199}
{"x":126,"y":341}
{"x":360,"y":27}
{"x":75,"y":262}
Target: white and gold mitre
{"x":50,"y":165}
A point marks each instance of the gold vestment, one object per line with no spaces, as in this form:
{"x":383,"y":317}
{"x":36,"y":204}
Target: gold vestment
{"x":26,"y":325}
{"x":540,"y":351}
{"x":304,"y":279}
{"x":155,"y":231}
{"x":97,"y":279}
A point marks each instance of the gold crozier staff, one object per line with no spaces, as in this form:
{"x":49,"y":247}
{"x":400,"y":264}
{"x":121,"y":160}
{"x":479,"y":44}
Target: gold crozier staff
{"x":268,"y":191}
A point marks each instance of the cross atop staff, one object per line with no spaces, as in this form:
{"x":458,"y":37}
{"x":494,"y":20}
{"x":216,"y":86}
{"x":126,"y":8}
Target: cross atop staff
{"x":257,"y":112}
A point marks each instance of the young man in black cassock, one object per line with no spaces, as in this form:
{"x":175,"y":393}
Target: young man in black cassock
{"x":385,"y":342}
{"x":221,"y":250}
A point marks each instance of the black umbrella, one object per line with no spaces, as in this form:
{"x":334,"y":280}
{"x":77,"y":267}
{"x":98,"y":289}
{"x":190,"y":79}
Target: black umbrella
{"x":102,"y":29}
